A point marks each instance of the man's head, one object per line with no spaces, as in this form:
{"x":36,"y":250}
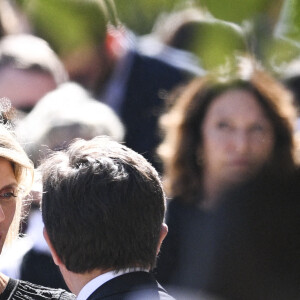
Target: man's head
{"x":29,"y":69}
{"x":103,"y":207}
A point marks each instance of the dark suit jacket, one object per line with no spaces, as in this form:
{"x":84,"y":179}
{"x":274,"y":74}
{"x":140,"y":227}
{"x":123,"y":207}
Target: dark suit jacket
{"x":175,"y":268}
{"x":143,"y":103}
{"x":131,"y":286}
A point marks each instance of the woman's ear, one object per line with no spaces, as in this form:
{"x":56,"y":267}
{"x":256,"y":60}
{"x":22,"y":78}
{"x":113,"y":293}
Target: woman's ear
{"x":55,"y":257}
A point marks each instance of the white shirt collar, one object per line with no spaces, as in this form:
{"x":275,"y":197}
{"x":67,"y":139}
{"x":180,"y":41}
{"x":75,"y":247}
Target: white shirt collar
{"x":92,"y":285}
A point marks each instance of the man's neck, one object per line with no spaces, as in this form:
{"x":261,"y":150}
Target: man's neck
{"x":100,"y":280}
{"x":76,"y":281}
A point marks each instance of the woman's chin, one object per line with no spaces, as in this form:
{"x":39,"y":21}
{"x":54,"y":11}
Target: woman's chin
{"x":2,"y":240}
{"x":237,"y":178}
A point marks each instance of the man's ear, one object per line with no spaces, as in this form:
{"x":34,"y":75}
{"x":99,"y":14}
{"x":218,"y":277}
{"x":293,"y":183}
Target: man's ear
{"x":55,"y":257}
{"x":163,"y":234}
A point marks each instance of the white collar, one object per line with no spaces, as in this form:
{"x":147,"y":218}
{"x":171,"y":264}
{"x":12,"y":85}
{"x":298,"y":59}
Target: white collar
{"x":92,"y":285}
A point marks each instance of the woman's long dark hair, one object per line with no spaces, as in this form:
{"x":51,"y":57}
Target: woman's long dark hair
{"x":181,"y":125}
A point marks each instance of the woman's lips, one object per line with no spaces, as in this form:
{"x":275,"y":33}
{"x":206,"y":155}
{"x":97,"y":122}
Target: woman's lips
{"x":240,"y":164}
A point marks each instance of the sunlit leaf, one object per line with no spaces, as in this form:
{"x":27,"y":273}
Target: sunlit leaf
{"x":67,"y":24}
{"x":140,"y":15}
{"x":237,"y":10}
{"x":289,"y":23}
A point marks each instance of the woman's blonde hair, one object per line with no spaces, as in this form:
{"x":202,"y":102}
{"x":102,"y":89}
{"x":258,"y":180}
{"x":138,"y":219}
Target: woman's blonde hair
{"x":11,"y":150}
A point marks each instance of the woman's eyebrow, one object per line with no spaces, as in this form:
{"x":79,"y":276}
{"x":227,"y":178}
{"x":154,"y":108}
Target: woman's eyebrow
{"x":10,"y":185}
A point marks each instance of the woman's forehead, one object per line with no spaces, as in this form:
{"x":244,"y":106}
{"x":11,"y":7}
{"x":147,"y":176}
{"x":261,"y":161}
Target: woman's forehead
{"x":7,"y":175}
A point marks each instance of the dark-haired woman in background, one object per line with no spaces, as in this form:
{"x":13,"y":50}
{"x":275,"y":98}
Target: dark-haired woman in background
{"x":220,"y":132}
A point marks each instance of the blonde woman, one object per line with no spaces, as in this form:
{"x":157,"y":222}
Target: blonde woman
{"x":16,"y":177}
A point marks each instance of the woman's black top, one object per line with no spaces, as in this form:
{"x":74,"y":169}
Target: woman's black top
{"x":18,"y":289}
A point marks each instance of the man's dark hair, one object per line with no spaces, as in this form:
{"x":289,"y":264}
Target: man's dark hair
{"x":103,"y":206}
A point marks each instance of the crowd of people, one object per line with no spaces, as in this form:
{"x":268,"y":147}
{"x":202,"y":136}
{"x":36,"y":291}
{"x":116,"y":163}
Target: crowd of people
{"x":142,"y":162}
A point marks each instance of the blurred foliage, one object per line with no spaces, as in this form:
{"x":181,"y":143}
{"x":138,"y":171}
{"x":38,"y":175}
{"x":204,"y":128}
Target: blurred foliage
{"x":288,"y":25}
{"x":258,"y":19}
{"x":239,"y":10}
{"x":284,"y":44}
{"x":271,"y":28}
{"x":215,"y":42}
{"x":278,"y":51}
{"x":140,"y":15}
{"x":67,"y":25}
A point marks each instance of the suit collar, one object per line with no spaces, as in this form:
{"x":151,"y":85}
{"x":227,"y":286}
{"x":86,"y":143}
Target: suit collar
{"x":127,"y":283}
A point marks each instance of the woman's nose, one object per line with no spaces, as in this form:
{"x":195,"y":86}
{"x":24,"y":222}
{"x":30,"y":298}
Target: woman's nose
{"x":241,"y":142}
{"x":2,"y":215}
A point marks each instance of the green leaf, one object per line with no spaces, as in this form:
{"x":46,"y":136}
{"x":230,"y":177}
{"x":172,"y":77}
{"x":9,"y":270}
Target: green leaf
{"x":67,"y":24}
